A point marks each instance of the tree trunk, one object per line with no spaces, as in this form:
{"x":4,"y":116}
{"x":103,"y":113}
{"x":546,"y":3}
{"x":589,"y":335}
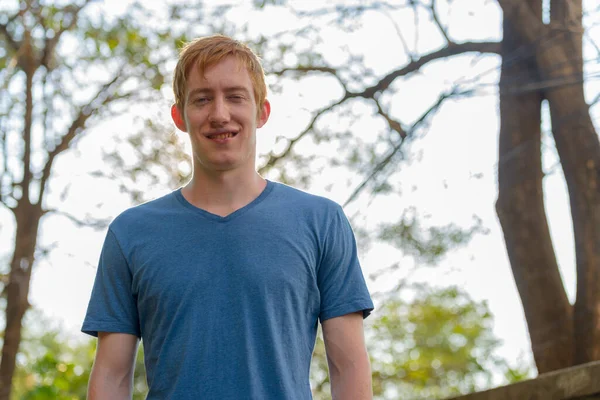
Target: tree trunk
{"x":579,"y":150}
{"x":28,"y":217}
{"x":521,"y":211}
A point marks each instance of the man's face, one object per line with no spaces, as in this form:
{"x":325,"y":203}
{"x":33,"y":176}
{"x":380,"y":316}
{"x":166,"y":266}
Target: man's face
{"x":221,"y":117}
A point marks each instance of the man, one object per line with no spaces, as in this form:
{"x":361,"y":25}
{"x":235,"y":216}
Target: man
{"x":225,"y":279}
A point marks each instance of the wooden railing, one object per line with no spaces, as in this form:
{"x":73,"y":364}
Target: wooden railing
{"x":577,"y":383}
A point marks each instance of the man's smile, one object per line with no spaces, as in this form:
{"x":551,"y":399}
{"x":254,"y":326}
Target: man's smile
{"x":221,"y":136}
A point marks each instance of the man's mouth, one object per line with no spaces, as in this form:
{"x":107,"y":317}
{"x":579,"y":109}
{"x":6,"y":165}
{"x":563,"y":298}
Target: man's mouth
{"x":222,"y":136}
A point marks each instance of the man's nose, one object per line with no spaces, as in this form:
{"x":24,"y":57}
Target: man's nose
{"x":219,"y":114}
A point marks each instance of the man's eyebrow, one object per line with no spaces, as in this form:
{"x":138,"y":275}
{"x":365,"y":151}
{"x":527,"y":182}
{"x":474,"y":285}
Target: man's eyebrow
{"x":237,"y":89}
{"x":198,"y":90}
{"x":227,"y":89}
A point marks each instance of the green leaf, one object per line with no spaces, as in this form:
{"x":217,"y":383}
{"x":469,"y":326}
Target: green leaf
{"x":112,"y":43}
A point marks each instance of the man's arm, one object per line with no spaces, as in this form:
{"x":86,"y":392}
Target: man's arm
{"x":112,"y":373}
{"x":347,"y":357}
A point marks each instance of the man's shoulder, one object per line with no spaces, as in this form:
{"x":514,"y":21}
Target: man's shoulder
{"x":147,"y":212}
{"x":306,"y":200}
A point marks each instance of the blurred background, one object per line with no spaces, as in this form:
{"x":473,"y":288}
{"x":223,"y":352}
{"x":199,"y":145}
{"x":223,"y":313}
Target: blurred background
{"x":460,"y":136}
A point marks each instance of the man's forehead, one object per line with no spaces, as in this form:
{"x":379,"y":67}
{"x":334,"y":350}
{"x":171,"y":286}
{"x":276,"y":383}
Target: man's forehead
{"x":229,"y":68}
{"x":228,"y":72}
{"x":228,"y":63}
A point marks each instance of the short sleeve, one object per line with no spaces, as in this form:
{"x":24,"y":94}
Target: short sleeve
{"x":341,"y":283}
{"x":112,"y":306}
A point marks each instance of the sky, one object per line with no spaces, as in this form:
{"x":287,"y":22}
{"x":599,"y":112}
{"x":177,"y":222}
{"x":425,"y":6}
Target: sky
{"x":451,"y":176}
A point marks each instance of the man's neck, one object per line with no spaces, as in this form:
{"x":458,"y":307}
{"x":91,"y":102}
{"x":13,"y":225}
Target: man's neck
{"x":223,"y":193}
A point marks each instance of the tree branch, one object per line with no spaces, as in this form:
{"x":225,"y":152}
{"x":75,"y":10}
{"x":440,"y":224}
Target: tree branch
{"x":50,"y":43}
{"x":5,"y":171}
{"x":390,"y":156}
{"x":303,"y":70}
{"x":393,"y":124}
{"x":95,"y":223}
{"x":27,"y":126}
{"x":383,"y":84}
{"x":275,"y":158}
{"x":77,"y":125}
{"x":409,"y":53}
{"x":7,"y":36}
{"x":437,"y":21}
{"x":450,"y":50}
{"x":416,"y":24}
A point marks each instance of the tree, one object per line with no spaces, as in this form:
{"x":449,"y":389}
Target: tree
{"x":539,"y":62}
{"x":51,"y":96}
{"x":561,"y":334}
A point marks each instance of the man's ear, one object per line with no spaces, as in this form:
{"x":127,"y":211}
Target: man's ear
{"x":263,"y":117}
{"x":178,"y":118}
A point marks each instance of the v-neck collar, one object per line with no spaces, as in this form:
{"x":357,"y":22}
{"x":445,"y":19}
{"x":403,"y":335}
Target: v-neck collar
{"x":240,"y":211}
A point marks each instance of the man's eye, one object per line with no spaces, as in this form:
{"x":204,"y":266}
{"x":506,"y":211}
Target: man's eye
{"x":236,"y":97}
{"x":202,"y":100}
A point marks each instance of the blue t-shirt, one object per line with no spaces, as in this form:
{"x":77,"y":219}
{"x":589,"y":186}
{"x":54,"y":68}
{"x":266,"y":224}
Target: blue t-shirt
{"x":227,"y":307}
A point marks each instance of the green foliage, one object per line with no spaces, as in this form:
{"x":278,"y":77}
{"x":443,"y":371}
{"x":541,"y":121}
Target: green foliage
{"x":426,"y":245}
{"x":52,"y":366}
{"x":427,"y":343}
{"x":61,"y":372}
{"x":125,"y":39}
{"x":437,"y":343}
